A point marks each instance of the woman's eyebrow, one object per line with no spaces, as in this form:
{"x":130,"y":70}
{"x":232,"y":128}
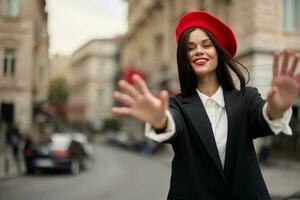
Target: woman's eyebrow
{"x":205,"y":40}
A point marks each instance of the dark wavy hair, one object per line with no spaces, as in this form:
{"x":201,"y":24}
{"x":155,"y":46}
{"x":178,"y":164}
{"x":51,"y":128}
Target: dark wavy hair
{"x":226,"y":66}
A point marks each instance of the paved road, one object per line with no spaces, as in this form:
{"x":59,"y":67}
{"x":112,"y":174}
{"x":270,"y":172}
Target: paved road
{"x":122,"y":175}
{"x":116,"y":175}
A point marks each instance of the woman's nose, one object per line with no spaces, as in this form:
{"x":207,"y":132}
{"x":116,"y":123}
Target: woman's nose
{"x":198,"y":50}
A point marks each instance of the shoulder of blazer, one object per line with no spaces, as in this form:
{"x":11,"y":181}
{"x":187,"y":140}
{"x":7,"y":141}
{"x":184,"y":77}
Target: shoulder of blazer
{"x":250,"y":90}
{"x":247,"y":92}
{"x":252,"y":94}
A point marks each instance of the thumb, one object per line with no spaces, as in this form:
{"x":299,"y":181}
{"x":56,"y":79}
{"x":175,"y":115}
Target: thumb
{"x":164,"y":97}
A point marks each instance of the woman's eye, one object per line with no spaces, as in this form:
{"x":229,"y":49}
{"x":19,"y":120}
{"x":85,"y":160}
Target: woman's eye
{"x":207,"y":45}
{"x":191,"y":48}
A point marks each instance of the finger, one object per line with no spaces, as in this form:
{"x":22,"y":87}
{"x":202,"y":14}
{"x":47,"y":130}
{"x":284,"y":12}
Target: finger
{"x":285,"y":62}
{"x":129,"y":89}
{"x":275,"y":63}
{"x":294,"y":65}
{"x":123,"y":98}
{"x":121,"y":111}
{"x":140,"y":84}
{"x":164,"y":97}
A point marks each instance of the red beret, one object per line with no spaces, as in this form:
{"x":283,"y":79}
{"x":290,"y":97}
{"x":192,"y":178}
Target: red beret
{"x":223,"y":34}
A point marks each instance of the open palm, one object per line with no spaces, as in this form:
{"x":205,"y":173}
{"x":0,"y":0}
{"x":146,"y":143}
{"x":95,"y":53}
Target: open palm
{"x":285,"y":84}
{"x":140,"y":103}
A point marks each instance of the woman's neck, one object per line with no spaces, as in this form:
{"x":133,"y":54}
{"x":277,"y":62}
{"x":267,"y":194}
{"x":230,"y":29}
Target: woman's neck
{"x":208,"y":86}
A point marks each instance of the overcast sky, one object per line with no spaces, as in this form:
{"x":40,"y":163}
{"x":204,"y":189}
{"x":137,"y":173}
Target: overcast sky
{"x":74,"y":22}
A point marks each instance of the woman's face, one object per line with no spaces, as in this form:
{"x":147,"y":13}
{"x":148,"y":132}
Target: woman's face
{"x":202,"y":54}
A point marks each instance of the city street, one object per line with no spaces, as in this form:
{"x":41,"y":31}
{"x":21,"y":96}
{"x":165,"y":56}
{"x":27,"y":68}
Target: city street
{"x":74,"y":73}
{"x":119,"y":174}
{"x":116,"y":175}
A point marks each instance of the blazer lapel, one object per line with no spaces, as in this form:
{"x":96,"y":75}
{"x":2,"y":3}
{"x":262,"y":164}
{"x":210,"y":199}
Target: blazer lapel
{"x":202,"y":125}
{"x":233,"y":107}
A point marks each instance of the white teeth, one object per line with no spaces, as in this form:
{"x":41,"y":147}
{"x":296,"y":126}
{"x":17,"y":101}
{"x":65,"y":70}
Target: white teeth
{"x":200,"y":60}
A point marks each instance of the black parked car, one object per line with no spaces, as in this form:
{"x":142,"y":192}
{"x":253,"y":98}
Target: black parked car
{"x":64,"y":151}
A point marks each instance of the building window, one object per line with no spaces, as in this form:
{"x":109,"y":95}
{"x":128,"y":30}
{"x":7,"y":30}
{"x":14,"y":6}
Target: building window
{"x":290,"y":15}
{"x":9,"y":62}
{"x":12,"y":8}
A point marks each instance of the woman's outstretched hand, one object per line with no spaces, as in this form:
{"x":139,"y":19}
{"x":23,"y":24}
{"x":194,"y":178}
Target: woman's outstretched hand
{"x":285,"y":85}
{"x":140,"y":103}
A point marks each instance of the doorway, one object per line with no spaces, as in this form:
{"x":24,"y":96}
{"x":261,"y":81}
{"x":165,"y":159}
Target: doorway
{"x":7,"y":113}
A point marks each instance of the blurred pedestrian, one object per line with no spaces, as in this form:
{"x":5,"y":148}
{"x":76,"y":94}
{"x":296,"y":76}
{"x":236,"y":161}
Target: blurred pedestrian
{"x":28,"y":143}
{"x":28,"y":152}
{"x":265,"y":151}
{"x":148,"y":147}
{"x":211,"y":124}
{"x":13,"y":139}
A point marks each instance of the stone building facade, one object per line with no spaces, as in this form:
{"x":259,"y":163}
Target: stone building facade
{"x":23,"y":59}
{"x":261,"y":27}
{"x":94,"y":66}
{"x":60,"y":67}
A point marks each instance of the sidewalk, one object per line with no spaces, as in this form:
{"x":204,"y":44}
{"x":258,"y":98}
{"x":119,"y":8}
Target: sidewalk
{"x":282,"y":177}
{"x":12,"y":168}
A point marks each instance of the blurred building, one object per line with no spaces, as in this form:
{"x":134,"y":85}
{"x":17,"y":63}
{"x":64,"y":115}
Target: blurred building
{"x":60,"y":67}
{"x":94,"y":67}
{"x":261,"y":27}
{"x":23,"y":59}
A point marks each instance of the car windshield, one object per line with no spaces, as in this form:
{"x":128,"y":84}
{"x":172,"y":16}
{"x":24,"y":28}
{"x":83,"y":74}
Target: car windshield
{"x":60,"y":141}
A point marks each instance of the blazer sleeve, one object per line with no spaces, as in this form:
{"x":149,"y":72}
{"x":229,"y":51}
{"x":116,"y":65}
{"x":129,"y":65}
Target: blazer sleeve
{"x":257,"y":124}
{"x":175,"y":125}
{"x":174,"y":108}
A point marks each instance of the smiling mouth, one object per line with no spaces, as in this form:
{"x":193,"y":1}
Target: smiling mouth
{"x":200,"y":61}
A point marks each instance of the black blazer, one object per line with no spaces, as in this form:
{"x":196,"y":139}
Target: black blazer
{"x":197,"y":171}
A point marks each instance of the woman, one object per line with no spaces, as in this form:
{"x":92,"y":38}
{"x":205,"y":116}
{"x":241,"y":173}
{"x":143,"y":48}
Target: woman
{"x":211,"y":124}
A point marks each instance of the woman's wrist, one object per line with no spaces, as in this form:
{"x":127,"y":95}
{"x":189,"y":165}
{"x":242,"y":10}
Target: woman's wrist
{"x":272,"y":114}
{"x":162,"y":125}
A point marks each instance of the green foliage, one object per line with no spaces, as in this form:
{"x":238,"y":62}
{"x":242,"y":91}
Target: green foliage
{"x":58,"y":93}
